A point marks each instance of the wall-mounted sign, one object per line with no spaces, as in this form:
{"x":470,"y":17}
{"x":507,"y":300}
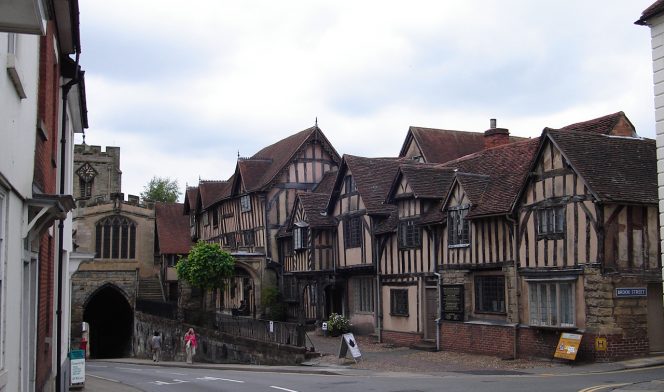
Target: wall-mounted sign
{"x":452,"y":302}
{"x":568,"y":346}
{"x":631,"y":292}
{"x":601,"y":344}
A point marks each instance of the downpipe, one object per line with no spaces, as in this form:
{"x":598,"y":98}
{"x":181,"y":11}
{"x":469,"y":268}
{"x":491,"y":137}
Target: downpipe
{"x":440,"y":316}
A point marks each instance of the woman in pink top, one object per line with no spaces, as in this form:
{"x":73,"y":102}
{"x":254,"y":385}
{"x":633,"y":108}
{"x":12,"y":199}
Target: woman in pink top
{"x":190,"y":344}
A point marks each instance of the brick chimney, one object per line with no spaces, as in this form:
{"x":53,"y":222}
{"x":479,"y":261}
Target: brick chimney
{"x":495,"y":136}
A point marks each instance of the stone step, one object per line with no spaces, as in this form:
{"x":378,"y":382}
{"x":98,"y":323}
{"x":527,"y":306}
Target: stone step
{"x":424,"y":346}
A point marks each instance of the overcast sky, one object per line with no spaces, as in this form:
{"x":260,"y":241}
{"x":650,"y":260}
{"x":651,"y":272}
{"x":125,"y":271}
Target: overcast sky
{"x":181,"y":87}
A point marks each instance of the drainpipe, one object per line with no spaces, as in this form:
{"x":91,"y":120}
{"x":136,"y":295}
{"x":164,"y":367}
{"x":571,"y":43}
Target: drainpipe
{"x":61,"y":224}
{"x":515,"y":346}
{"x":440,"y":316}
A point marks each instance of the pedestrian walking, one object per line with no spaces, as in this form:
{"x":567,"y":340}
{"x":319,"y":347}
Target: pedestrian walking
{"x":156,"y":347}
{"x":190,"y":344}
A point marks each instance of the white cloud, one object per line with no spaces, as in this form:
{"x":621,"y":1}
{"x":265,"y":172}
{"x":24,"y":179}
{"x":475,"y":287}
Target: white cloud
{"x":181,"y":87}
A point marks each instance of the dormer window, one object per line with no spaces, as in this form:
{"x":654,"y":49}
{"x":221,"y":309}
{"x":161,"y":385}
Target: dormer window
{"x":458,"y":228}
{"x":300,"y":236}
{"x":245,"y":203}
{"x":349,"y":184}
{"x":410,"y":234}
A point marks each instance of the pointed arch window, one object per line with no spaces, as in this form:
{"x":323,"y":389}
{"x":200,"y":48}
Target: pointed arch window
{"x":115,"y":238}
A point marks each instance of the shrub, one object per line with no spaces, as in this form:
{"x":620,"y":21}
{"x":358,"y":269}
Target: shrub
{"x":337,"y":324}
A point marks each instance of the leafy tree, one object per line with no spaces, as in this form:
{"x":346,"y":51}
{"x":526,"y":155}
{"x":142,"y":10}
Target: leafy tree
{"x":273,"y":304}
{"x":161,"y":189}
{"x":207,"y":266}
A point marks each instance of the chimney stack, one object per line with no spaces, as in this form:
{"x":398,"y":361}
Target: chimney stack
{"x":494,"y":136}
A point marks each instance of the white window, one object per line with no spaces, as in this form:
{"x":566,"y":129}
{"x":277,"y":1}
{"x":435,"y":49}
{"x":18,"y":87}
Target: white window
{"x":552,"y":303}
{"x":300,"y":236}
{"x":245,"y":203}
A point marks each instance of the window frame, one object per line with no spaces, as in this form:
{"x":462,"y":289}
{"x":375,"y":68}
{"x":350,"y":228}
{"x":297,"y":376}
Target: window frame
{"x":483,"y":292}
{"x":115,"y":238}
{"x":350,"y":186}
{"x":410,"y":234}
{"x":535,"y":293}
{"x":215,"y":218}
{"x":353,"y":231}
{"x":300,"y":238}
{"x":551,"y":222}
{"x":399,"y":302}
{"x":245,"y":203}
{"x":458,"y":236}
{"x":248,"y":238}
{"x":364,"y":296}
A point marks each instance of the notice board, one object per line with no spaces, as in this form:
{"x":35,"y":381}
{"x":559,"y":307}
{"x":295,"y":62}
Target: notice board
{"x":568,"y":346}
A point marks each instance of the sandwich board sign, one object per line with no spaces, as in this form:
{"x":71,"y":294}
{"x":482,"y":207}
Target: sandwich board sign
{"x":77,"y":364}
{"x":348,"y":342}
{"x":568,"y":346}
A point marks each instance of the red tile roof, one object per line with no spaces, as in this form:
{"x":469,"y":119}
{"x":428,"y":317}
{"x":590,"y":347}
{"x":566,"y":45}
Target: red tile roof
{"x":190,"y":199}
{"x":314,"y":205}
{"x":326,"y":183}
{"x":617,"y":169}
{"x":427,"y":181}
{"x":262,"y":168}
{"x":442,"y":145}
{"x":213,"y":191}
{"x":172,"y":228}
{"x":506,"y":169}
{"x":655,"y":9}
{"x":603,"y":125}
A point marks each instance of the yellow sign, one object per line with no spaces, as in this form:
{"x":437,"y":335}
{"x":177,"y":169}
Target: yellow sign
{"x":568,"y":346}
{"x":601,"y":344}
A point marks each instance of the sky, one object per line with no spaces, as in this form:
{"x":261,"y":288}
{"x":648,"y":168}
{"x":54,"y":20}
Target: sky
{"x":184,"y":87}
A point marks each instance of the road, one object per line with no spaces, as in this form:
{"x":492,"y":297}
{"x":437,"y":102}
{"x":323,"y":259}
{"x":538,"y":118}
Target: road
{"x":166,"y":379}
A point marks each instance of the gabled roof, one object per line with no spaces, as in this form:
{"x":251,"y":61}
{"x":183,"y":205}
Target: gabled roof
{"x":427,"y":181}
{"x":655,"y":9}
{"x":615,"y":169}
{"x":213,"y":191}
{"x":506,"y":169}
{"x":373,"y":177}
{"x":258,"y":172}
{"x":313,"y":205}
{"x":190,"y":199}
{"x":442,"y":145}
{"x":605,"y":125}
{"x":474,"y":186}
{"x":172,"y":228}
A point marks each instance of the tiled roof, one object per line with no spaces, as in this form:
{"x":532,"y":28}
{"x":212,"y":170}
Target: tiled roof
{"x":190,"y":198}
{"x":442,"y":145}
{"x":388,"y":225}
{"x":373,"y":177}
{"x":326,"y":183}
{"x":434,"y":215}
{"x":506,"y":167}
{"x":617,"y":169}
{"x":213,"y":191}
{"x":474,"y":185}
{"x":654,"y":9}
{"x":602,"y":125}
{"x":263,"y":167}
{"x":172,"y":228}
{"x":427,"y":181}
{"x":314,"y":205}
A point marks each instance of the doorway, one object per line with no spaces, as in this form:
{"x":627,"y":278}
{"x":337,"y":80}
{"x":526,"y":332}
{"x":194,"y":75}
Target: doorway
{"x":431,"y":312}
{"x":333,"y":300}
{"x":111,"y":320}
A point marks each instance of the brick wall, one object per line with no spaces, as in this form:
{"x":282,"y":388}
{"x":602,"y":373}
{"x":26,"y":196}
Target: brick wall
{"x":403,"y":339}
{"x":478,"y":339}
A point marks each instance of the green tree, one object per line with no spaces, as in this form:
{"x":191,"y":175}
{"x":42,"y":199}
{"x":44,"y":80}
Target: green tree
{"x":161,"y":189}
{"x":207,"y":266}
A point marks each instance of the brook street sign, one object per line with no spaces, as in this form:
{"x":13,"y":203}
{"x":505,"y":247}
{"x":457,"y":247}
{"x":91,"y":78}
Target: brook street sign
{"x":631,"y":292}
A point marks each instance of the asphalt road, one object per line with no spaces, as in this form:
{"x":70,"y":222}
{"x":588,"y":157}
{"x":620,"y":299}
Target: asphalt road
{"x":155,"y":378}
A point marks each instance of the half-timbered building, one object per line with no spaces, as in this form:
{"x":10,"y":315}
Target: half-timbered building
{"x":408,"y":252}
{"x":587,"y":244}
{"x":245,"y":213}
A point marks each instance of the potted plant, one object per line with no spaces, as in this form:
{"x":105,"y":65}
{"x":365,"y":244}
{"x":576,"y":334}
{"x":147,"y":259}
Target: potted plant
{"x":337,"y":324}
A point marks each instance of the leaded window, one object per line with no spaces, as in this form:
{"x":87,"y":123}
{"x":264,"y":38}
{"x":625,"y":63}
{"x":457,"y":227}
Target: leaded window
{"x":399,"y":302}
{"x":551,"y":221}
{"x":458,"y":228}
{"x":249,"y":237}
{"x":300,"y":237}
{"x":364,"y":294}
{"x":245,"y":203}
{"x":551,"y":303}
{"x":353,"y":231}
{"x":410,"y":234}
{"x":490,"y":294}
{"x":115,"y":238}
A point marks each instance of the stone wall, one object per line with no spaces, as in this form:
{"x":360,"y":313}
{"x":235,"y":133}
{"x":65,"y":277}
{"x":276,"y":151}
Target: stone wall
{"x":213,"y":346}
{"x":85,"y":283}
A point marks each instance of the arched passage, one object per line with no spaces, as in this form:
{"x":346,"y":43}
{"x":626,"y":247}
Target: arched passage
{"x":111,"y":320}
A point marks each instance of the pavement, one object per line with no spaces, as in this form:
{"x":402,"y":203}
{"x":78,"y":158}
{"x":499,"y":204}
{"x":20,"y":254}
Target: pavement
{"x":380,"y":359}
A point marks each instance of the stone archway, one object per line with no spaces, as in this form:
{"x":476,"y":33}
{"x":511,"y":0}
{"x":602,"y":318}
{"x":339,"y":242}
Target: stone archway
{"x":111,"y":320}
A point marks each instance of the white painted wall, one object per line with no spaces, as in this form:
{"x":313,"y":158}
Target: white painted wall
{"x":17,"y":143}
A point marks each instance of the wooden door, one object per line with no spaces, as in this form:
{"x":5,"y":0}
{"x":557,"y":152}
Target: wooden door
{"x":431,"y":312}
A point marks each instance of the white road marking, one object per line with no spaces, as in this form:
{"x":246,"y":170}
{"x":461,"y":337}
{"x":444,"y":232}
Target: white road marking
{"x":217,"y":378}
{"x":283,"y":389}
{"x":175,"y":381}
{"x":103,"y":378}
